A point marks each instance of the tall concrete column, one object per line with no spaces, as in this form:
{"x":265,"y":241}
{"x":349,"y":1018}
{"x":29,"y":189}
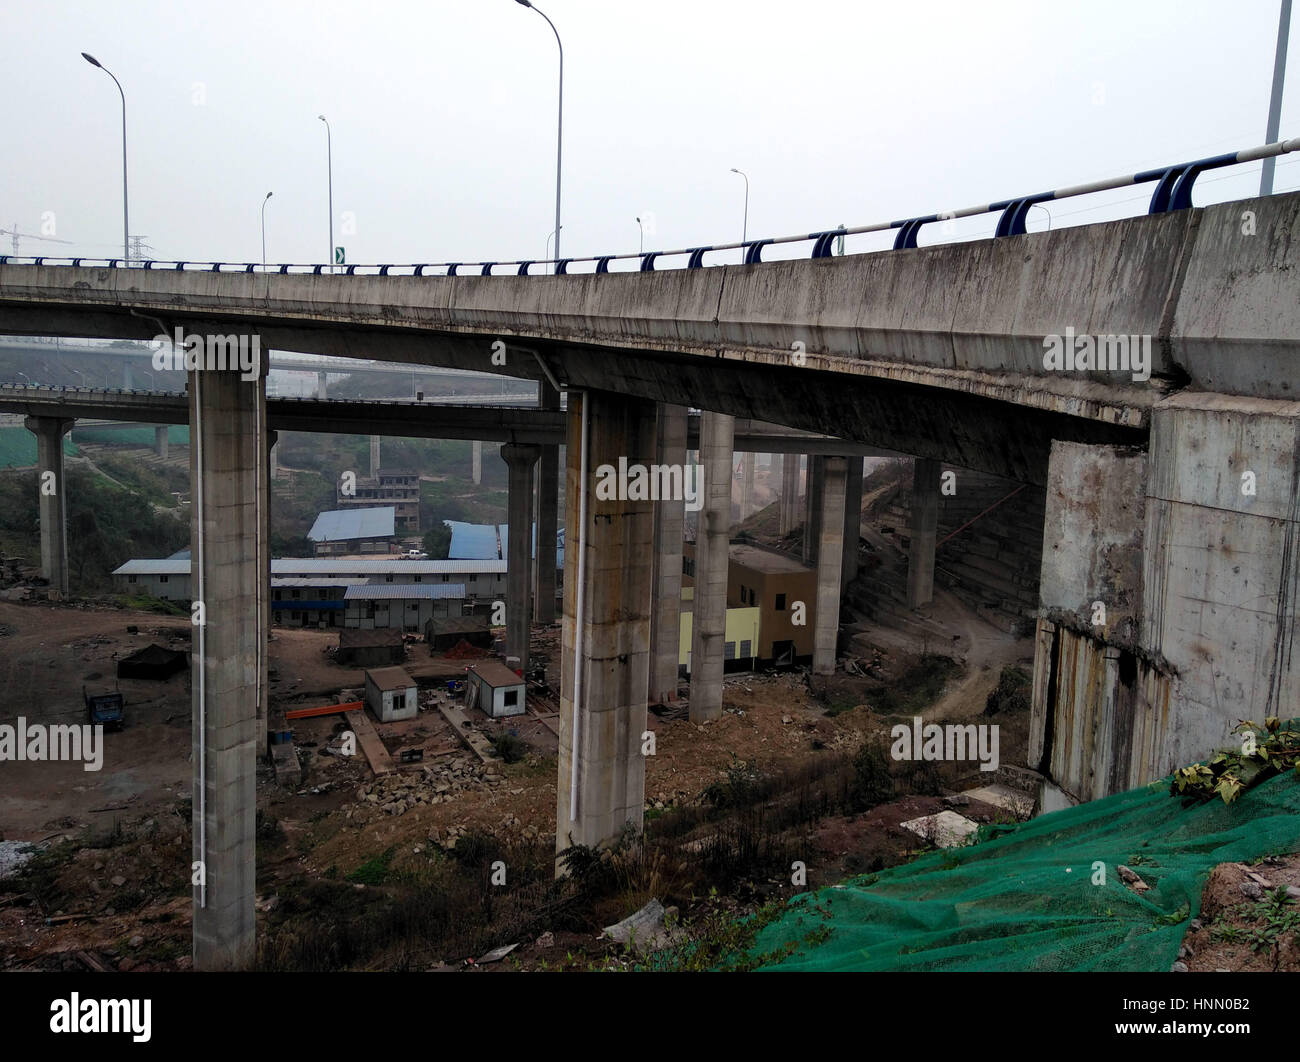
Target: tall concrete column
{"x":128,"y":378}
{"x":830,"y":555}
{"x":519,"y":613}
{"x":712,"y":538}
{"x":476,"y":461}
{"x":747,"y":506}
{"x":322,"y":392}
{"x":227,"y":463}
{"x":852,"y":520}
{"x":789,"y":509}
{"x":548,"y":503}
{"x":264,"y":714}
{"x":52,"y":500}
{"x":160,"y":441}
{"x":669,"y":524}
{"x":274,"y":455}
{"x":605,"y":662}
{"x":925,"y":531}
{"x":812,"y":528}
{"x":374,"y":456}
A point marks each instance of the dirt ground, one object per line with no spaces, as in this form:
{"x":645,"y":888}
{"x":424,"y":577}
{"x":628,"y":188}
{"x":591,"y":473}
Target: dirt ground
{"x":770,"y":722}
{"x":1238,"y":928}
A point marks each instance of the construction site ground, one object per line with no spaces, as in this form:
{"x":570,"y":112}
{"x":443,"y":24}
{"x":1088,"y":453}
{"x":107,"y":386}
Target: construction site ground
{"x":132,"y":818}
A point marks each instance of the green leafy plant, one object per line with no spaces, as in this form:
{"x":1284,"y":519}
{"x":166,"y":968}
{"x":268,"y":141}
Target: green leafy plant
{"x":1265,"y":751}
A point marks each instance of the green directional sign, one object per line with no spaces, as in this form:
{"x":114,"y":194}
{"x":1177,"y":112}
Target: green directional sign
{"x":339,"y":257}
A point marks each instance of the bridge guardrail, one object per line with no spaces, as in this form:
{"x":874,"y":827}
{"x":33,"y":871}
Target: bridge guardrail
{"x":1173,"y":192}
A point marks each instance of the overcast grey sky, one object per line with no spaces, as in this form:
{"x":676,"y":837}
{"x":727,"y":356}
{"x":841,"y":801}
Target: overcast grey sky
{"x":443,"y":117}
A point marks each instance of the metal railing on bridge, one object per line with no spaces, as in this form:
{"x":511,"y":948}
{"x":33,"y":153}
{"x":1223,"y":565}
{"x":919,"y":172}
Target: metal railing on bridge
{"x":1173,"y":191}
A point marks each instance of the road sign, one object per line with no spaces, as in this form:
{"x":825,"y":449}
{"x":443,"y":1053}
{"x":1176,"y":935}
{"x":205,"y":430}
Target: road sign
{"x":339,"y":258}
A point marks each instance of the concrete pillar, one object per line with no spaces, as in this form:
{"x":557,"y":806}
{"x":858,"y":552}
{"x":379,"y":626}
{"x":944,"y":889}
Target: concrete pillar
{"x":548,"y":503}
{"x":709,"y":619}
{"x":747,"y":488}
{"x":669,"y":523}
{"x":160,"y":441}
{"x":374,"y":456}
{"x":603,"y":716}
{"x":852,"y":521}
{"x":274,"y":455}
{"x":52,"y":499}
{"x":925,"y":531}
{"x":789,"y":509}
{"x":227,"y":455}
{"x":322,"y":392}
{"x":812,"y":528}
{"x":830,"y":556}
{"x":263,"y":707}
{"x":477,"y":461}
{"x":128,"y":378}
{"x":519,"y":613}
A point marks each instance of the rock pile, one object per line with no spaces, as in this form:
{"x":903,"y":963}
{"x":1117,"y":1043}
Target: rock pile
{"x":434,"y":784}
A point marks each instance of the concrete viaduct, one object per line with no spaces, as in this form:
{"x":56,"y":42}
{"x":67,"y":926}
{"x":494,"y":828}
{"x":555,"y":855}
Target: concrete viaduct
{"x":1171,"y":565}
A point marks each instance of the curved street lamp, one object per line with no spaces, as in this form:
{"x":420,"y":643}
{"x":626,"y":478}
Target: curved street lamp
{"x":640,"y":247}
{"x":329,"y":160}
{"x":264,"y":202}
{"x":559,"y":130}
{"x":126,"y":222}
{"x":744,"y":232}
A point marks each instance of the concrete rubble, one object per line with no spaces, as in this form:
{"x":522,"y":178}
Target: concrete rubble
{"x":946,"y":829}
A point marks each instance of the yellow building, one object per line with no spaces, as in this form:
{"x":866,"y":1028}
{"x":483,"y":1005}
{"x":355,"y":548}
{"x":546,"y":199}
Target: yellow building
{"x":771,"y":607}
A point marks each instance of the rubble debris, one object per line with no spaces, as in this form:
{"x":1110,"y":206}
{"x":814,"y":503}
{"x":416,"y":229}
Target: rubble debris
{"x":643,"y":930}
{"x":946,"y":829}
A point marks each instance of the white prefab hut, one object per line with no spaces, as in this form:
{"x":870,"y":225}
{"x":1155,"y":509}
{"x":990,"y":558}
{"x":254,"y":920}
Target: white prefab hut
{"x":494,"y":688}
{"x":391,"y":694}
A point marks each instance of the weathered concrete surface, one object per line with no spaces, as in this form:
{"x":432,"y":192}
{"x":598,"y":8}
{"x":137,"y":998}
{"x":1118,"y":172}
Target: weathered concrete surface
{"x":227,"y":452}
{"x":830,"y":555}
{"x":476,"y":461}
{"x":609,"y":715}
{"x":520,"y":462}
{"x":712,"y":539}
{"x":374,"y":456}
{"x":52,"y":500}
{"x":852,"y":521}
{"x":160,"y":441}
{"x":548,"y":503}
{"x":1221,"y":572}
{"x":812,"y":528}
{"x":924,"y":532}
{"x":669,"y":516}
{"x":789,"y":505}
{"x":1092,"y":539}
{"x":1199,"y":579}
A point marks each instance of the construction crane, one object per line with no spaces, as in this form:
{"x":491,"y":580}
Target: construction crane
{"x":15,"y":236}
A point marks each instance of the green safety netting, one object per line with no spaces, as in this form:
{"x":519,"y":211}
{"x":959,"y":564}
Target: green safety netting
{"x":1024,"y":899}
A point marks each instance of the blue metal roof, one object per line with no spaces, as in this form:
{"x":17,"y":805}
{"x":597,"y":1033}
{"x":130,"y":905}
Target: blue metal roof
{"x":341,"y":525}
{"x":472,"y":541}
{"x":405,"y":592}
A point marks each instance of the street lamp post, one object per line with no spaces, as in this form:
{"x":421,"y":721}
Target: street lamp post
{"x":640,"y":247}
{"x":79,"y":373}
{"x":264,"y":202}
{"x":329,"y":160}
{"x":559,"y":129}
{"x":1275,"y":98}
{"x":744,"y":232}
{"x":126,"y":217}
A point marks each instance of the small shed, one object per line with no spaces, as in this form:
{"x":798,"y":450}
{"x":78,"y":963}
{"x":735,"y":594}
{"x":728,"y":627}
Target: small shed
{"x":362,"y":648}
{"x":495,"y":689}
{"x":447,"y":633}
{"x":391,"y":694}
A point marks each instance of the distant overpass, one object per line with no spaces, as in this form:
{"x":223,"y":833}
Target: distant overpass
{"x":473,"y":418}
